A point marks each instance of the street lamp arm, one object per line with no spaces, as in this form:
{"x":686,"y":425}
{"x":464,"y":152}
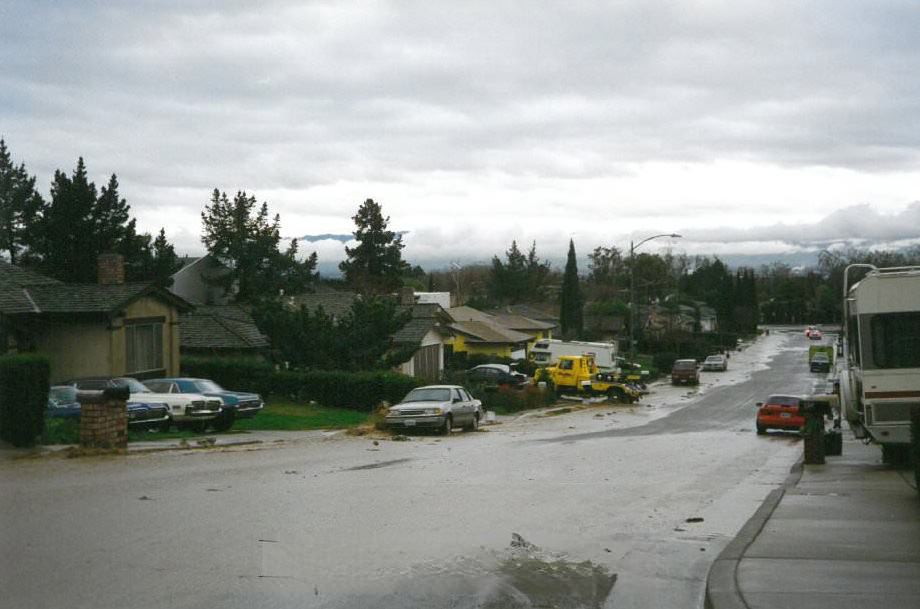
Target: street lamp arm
{"x":672,"y":235}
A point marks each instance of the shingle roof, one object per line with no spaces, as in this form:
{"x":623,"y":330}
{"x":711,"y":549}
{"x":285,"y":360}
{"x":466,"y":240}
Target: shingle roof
{"x":414,"y":331}
{"x":484,"y":332}
{"x":522,"y":323}
{"x":22,"y":291}
{"x":220,"y":327}
{"x":334,"y":304}
{"x":540,"y":311}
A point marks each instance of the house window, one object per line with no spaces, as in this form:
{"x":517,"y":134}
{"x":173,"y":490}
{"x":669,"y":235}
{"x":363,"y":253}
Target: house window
{"x":143,"y":347}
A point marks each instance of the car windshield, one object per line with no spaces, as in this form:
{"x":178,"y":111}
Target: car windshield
{"x":428,"y":394}
{"x":206,"y":386}
{"x":133,"y":385}
{"x":685,"y":364}
{"x":63,"y":395}
{"x":714,"y":358}
{"x":819,"y":356}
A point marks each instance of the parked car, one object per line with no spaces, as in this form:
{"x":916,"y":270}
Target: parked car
{"x":685,"y":371}
{"x":185,"y":409}
{"x":815,"y":335}
{"x":63,"y":404}
{"x":236,"y":404}
{"x":809,"y":330}
{"x":716,"y":362}
{"x":440,"y":407}
{"x":496,"y":374}
{"x":820,"y":362}
{"x":780,"y":412}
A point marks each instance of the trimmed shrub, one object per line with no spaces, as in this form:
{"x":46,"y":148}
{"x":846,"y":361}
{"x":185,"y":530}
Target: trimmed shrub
{"x":356,"y":390}
{"x":664,"y":360}
{"x":23,"y":397}
{"x":505,"y":400}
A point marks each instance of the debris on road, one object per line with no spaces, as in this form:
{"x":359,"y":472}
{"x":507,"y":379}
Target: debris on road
{"x":694,"y":519}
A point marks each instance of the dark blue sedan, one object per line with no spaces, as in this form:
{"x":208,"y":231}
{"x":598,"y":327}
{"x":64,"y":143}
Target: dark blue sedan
{"x":237,"y":404}
{"x":63,"y":404}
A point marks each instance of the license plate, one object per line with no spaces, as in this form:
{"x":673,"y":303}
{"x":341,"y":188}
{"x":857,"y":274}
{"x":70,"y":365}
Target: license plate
{"x":409,"y":422}
{"x":785,"y":415}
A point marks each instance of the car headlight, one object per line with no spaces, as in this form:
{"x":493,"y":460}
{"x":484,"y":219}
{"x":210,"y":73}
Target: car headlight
{"x":433,"y":411}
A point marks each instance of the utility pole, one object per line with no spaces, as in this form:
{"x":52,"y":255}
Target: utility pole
{"x":632,"y":288}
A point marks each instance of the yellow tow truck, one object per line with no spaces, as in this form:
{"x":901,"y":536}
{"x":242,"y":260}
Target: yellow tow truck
{"x":580,"y":374}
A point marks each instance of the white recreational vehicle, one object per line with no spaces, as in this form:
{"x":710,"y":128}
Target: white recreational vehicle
{"x":880,"y":367}
{"x":546,"y":352}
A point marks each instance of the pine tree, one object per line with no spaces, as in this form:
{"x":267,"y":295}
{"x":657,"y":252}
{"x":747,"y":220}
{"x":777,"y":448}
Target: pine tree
{"x":571,"y":306}
{"x":19,"y":204}
{"x":241,"y":234}
{"x":375,"y":265}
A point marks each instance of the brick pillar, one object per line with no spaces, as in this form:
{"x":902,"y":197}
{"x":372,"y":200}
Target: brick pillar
{"x":104,"y":418}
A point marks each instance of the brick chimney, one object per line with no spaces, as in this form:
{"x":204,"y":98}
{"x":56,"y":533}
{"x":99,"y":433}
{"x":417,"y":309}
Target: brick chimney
{"x":111,"y":269}
{"x":406,"y":296}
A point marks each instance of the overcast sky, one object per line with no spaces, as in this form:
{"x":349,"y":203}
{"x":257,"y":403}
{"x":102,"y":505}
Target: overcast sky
{"x":748,"y":127}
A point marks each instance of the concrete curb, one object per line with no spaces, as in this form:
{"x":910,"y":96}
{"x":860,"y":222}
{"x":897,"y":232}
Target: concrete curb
{"x":722,"y":591}
{"x":159,"y":449}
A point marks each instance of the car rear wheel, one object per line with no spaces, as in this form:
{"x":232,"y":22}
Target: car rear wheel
{"x":165,"y":425}
{"x":474,"y":424}
{"x":447,"y":426}
{"x":761,"y":430}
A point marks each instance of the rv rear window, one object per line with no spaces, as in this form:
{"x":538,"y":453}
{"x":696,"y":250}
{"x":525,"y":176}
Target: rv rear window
{"x":896,"y":340}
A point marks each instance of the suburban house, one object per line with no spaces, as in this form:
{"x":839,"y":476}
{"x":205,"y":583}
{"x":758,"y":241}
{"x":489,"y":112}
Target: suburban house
{"x":213,"y":327}
{"x":196,"y":281}
{"x":525,"y":325}
{"x":425,"y":334}
{"x":478,"y":333}
{"x":109,"y":328}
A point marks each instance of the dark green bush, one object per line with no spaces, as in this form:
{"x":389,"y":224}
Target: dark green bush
{"x":23,"y":397}
{"x":664,"y":360}
{"x":355,"y":390}
{"x":505,"y":400}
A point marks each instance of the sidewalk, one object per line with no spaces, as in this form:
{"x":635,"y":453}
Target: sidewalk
{"x":841,"y":535}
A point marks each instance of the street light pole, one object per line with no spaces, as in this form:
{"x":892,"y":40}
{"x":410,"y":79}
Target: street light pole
{"x":632,"y":289}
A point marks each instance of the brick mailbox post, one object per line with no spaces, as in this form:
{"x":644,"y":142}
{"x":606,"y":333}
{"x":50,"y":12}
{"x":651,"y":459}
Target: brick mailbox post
{"x":104,"y":418}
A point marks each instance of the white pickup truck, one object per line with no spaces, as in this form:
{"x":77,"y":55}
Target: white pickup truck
{"x":185,"y":409}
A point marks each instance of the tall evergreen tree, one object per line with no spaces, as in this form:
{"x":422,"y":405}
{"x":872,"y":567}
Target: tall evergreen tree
{"x":375,"y":265}
{"x":571,"y":308}
{"x":241,"y":234}
{"x":19,"y":204}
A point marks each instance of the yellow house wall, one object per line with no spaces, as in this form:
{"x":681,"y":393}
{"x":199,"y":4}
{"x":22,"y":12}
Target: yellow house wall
{"x":75,"y":349}
{"x":97,"y":347}
{"x":460,"y":345}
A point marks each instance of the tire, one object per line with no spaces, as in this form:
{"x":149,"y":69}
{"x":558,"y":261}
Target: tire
{"x":224,"y":421}
{"x":474,"y":425}
{"x":165,"y":425}
{"x":614,"y":396}
{"x":197,"y":426}
{"x":761,"y":430}
{"x":447,"y":426}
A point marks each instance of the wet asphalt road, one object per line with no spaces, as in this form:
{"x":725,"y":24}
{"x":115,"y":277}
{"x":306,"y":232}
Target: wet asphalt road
{"x":588,"y":509}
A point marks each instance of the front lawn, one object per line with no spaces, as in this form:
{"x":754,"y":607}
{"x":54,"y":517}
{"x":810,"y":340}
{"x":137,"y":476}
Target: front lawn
{"x":276,"y":416}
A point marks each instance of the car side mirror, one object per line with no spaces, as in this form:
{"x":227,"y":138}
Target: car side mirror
{"x":759,"y":404}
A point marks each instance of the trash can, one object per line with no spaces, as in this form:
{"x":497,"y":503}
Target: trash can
{"x":813,"y":433}
{"x":833,"y":443}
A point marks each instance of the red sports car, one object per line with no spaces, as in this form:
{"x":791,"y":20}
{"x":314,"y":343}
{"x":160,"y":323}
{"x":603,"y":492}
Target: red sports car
{"x":780,"y":412}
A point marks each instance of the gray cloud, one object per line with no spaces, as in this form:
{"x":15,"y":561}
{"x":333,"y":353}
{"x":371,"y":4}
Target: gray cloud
{"x":472,"y":114}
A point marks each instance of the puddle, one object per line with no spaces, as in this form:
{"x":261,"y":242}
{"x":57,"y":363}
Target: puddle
{"x":523,"y":576}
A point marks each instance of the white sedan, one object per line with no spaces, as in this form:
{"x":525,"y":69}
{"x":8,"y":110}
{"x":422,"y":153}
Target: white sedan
{"x":717,"y":363}
{"x":439,"y":407}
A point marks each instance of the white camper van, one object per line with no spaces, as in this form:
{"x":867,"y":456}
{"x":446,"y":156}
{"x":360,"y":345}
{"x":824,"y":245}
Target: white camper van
{"x":546,"y":352}
{"x":880,"y":367}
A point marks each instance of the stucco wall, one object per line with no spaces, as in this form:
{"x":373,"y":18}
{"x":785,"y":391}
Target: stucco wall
{"x":75,"y":349}
{"x":96,"y":347}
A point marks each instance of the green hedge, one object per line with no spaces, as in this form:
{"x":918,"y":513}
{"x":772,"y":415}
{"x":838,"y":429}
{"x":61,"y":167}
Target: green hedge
{"x":356,"y":390}
{"x":23,"y":398}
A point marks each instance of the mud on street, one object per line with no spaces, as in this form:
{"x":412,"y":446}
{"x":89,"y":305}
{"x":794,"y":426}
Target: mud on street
{"x":610,"y":506}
